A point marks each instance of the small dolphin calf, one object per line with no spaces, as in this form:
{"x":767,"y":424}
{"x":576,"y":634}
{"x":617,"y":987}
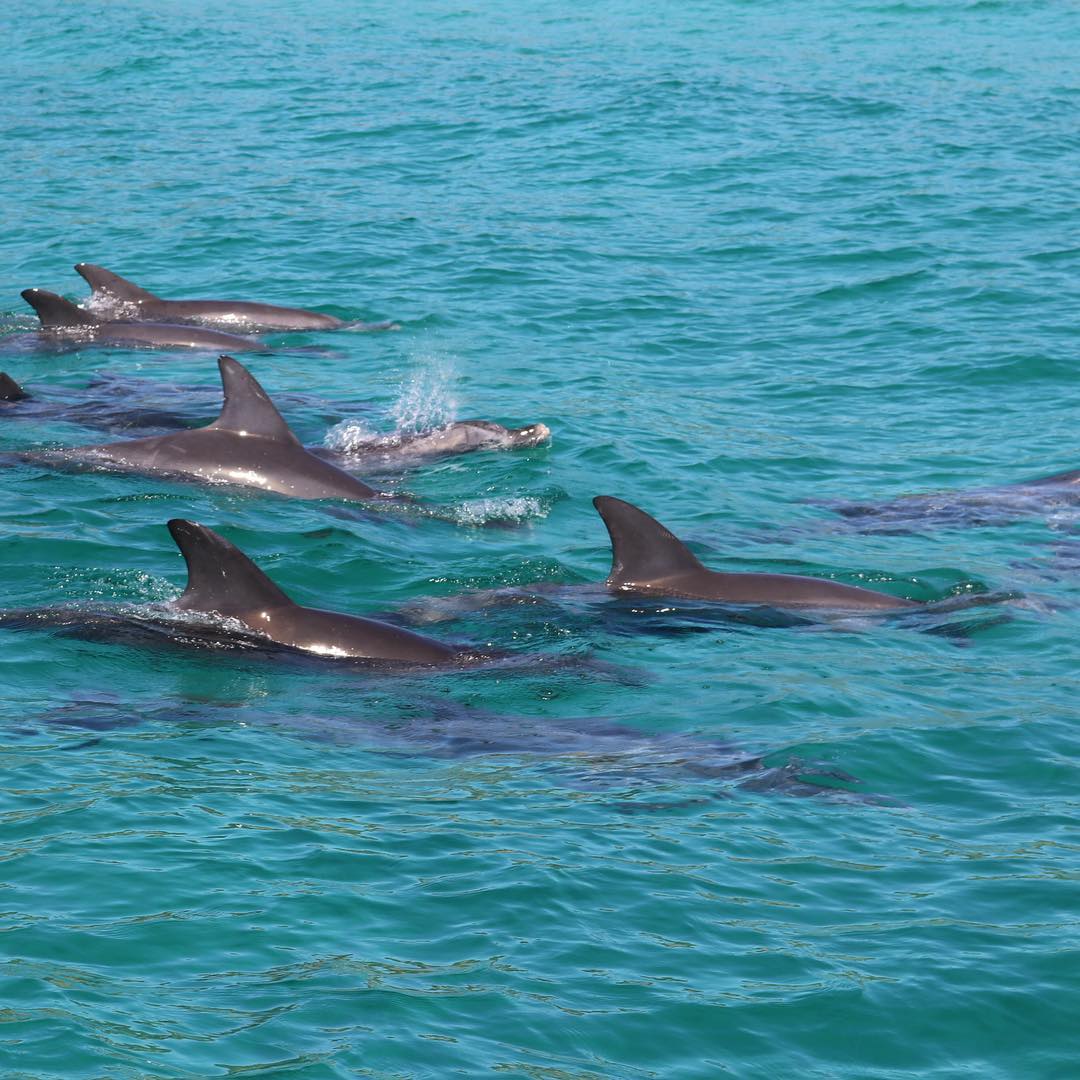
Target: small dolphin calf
{"x":64,"y":322}
{"x":113,"y":293}
{"x":222,"y":579}
{"x":249,"y":444}
{"x":646,"y":558}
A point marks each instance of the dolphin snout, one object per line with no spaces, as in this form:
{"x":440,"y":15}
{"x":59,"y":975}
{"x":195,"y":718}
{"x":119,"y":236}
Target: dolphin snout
{"x":533,"y":435}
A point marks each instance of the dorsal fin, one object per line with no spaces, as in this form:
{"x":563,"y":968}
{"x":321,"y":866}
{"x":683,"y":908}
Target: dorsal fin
{"x":10,"y":390}
{"x":248,"y":408}
{"x":642,"y":550}
{"x":101,"y":280}
{"x":54,"y":310}
{"x":221,"y":577}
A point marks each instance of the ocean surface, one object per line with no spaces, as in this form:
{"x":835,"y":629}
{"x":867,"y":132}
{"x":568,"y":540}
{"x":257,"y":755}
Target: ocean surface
{"x":752,"y":263}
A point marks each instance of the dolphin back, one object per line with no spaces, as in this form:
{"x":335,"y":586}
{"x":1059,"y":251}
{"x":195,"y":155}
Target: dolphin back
{"x":642,"y":550}
{"x":54,"y":310}
{"x":101,"y":280}
{"x":221,"y":577}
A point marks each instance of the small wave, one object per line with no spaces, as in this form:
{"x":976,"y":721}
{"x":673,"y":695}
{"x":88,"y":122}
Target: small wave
{"x":106,"y":306}
{"x":510,"y":509}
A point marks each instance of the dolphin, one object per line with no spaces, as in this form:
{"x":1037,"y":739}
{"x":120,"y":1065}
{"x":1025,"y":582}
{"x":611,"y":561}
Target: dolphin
{"x":10,"y":390}
{"x":249,"y":445}
{"x":61,"y":320}
{"x":647,"y":558}
{"x":223,"y":580}
{"x":116,"y":409}
{"x":111,"y":292}
{"x":999,"y":505}
{"x":458,"y":437}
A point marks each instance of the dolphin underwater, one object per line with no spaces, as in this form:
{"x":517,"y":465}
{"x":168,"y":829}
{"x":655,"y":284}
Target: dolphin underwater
{"x":1000,"y":505}
{"x":64,"y":322}
{"x":248,"y":445}
{"x":111,"y":292}
{"x":647,"y":558}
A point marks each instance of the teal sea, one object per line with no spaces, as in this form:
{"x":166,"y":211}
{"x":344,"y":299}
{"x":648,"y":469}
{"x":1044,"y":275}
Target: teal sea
{"x":749,"y":262}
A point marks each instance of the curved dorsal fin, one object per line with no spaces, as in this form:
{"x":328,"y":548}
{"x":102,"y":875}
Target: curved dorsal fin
{"x":248,"y":409}
{"x":10,"y":390}
{"x":54,"y":310}
{"x":101,"y":280}
{"x":221,"y":577}
{"x":642,"y":550}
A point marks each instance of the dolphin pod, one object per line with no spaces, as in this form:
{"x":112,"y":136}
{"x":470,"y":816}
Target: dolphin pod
{"x":66,"y":323}
{"x":111,"y":292}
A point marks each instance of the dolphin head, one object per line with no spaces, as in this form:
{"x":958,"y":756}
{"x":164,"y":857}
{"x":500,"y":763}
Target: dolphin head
{"x":530,"y":435}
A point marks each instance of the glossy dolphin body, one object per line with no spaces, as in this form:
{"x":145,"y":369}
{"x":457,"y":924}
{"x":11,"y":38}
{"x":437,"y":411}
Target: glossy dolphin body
{"x":222,"y":579}
{"x":647,"y":558}
{"x":65,"y":323}
{"x":111,"y":292}
{"x":249,"y":445}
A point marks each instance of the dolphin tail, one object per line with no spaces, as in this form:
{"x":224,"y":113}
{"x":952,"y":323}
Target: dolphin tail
{"x":221,"y":577}
{"x":54,"y":310}
{"x":101,"y":280}
{"x":642,"y":550}
{"x":10,"y":390}
{"x":248,"y":407}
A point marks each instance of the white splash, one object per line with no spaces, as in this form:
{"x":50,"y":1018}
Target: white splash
{"x":510,"y":508}
{"x":427,"y":402}
{"x":350,"y":436}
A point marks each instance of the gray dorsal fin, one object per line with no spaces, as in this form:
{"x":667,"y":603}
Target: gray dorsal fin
{"x":248,"y":408}
{"x":54,"y":310}
{"x":10,"y":390}
{"x":221,"y":577}
{"x":642,"y":550}
{"x":101,"y":280}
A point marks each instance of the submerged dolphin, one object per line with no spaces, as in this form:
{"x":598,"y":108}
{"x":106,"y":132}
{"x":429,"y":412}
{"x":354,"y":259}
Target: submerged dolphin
{"x":112,"y":292}
{"x":223,"y":580}
{"x":647,"y":558}
{"x":249,"y":444}
{"x":63,"y":321}
{"x":972,"y":506}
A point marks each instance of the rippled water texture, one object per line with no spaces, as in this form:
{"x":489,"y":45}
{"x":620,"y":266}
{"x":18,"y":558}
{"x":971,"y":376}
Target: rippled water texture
{"x":748,"y":262}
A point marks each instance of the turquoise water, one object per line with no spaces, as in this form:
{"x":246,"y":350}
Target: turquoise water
{"x":743,"y":259}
